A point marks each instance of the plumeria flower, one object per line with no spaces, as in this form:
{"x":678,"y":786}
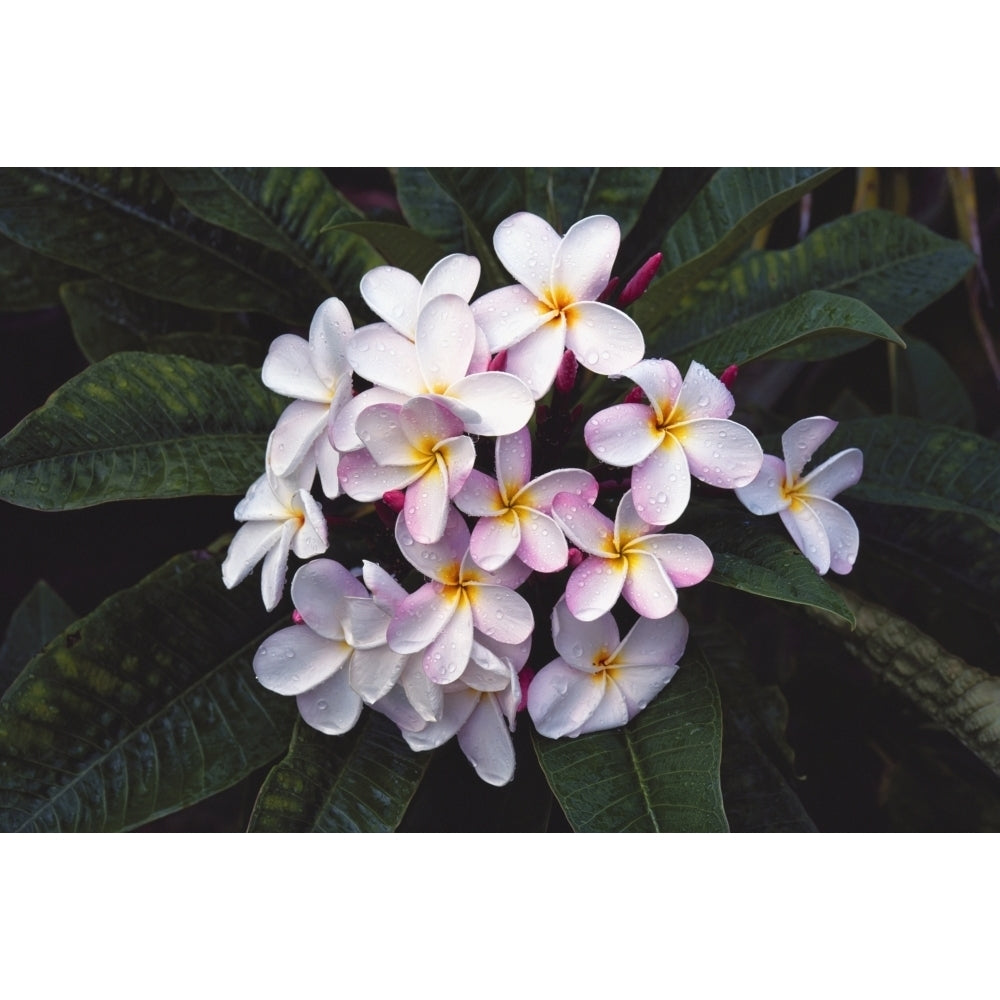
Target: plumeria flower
{"x":461,"y":599}
{"x":555,"y":305}
{"x":626,"y":559}
{"x":436,"y":364}
{"x":316,"y":374}
{"x":479,"y":709}
{"x":419,"y":446}
{"x":514,"y":510}
{"x":315,"y":660}
{"x":824,"y":532}
{"x":684,"y":431}
{"x":597,"y":682}
{"x":280,"y":514}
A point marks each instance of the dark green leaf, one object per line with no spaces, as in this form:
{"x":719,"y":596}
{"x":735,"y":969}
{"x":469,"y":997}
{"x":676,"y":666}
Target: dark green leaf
{"x":295,"y":211}
{"x":916,"y":464}
{"x":126,"y":226}
{"x":359,"y":782}
{"x":28,"y":280}
{"x":141,"y":708}
{"x":734,"y":204}
{"x":136,"y":426}
{"x":564,"y":195}
{"x":41,"y":616}
{"x":401,"y":246}
{"x":816,"y":324}
{"x":927,"y":387}
{"x":658,"y":773}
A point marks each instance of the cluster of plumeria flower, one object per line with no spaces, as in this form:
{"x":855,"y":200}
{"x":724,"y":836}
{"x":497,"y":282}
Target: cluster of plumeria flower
{"x":445,"y":374}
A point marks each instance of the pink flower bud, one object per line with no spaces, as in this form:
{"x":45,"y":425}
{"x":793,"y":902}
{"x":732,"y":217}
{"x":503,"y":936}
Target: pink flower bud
{"x":639,"y":281}
{"x":609,"y":290}
{"x":728,"y":377}
{"x":566,"y":373}
{"x":297,"y":618}
{"x":499,"y":362}
{"x":394,"y":499}
{"x":525,"y":677}
{"x":635,"y":395}
{"x":575,"y":557}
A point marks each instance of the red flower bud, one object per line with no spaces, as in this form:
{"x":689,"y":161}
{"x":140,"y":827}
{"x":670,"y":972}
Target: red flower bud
{"x":639,"y":281}
{"x":566,"y":373}
{"x":728,"y":377}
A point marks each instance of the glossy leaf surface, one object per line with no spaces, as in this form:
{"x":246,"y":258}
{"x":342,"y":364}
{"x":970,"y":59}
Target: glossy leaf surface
{"x":41,"y":616}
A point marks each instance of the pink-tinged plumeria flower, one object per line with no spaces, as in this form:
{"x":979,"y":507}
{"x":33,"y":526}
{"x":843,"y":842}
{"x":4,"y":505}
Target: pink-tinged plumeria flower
{"x":316,"y":374}
{"x":626,"y":559}
{"x":436,"y":364}
{"x":480,"y":709}
{"x":684,"y":431}
{"x":420,"y":446}
{"x":314,"y":661}
{"x":555,"y":305}
{"x":280,"y":515}
{"x":597,"y":682}
{"x":461,"y":599}
{"x":824,"y":532}
{"x":514,"y":510}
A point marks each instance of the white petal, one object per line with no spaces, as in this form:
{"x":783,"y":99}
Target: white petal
{"x":535,"y":359}
{"x":485,"y":740}
{"x":458,"y":706}
{"x":640,"y":685}
{"x":328,"y":463}
{"x":421,"y":618}
{"x":456,"y":274}
{"x":262,"y":503}
{"x":386,"y":358}
{"x":249,"y":545}
{"x":686,"y":558}
{"x":585,"y":256}
{"x":594,"y":586}
{"x":542,"y":545}
{"x":800,"y":441}
{"x":426,"y":697}
{"x":513,"y":461}
{"x":653,"y":642}
{"x":561,"y":699}
{"x":386,"y":591}
{"x":623,"y":435}
{"x":527,"y":246}
{"x":720,"y":452}
{"x":296,"y":659}
{"x":629,"y":523}
{"x":583,"y":644}
{"x":661,"y":484}
{"x":344,"y":433}
{"x":507,"y":315}
{"x":647,"y":587}
{"x":426,"y":421}
{"x":540,"y":492}
{"x":661,"y":381}
{"x":393,"y":295}
{"x":331,"y":326}
{"x":332,"y":707}
{"x":702,"y":395}
{"x":480,"y":496}
{"x":440,"y":560}
{"x":808,"y":534}
{"x":764,"y":494}
{"x":836,"y":474}
{"x":611,"y":712}
{"x":500,"y":403}
{"x":379,"y":429}
{"x":583,"y":525}
{"x":446,"y":338}
{"x":298,"y":428}
{"x":275,"y":566}
{"x":447,"y":656}
{"x":426,"y":507}
{"x":500,"y":612}
{"x":319,"y":592}
{"x":289,"y":370}
{"x":603,"y":338}
{"x":495,"y":539}
{"x":841,"y":532}
{"x":396,"y":706}
{"x":364,"y":479}
{"x":310,"y":539}
{"x":374,"y":671}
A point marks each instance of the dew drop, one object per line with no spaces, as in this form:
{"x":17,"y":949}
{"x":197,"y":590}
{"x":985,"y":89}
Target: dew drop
{"x":322,"y":706}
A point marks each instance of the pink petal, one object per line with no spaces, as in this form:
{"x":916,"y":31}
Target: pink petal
{"x":458,"y":455}
{"x":629,"y":524}
{"x":495,"y":539}
{"x":540,"y":492}
{"x":584,"y":526}
{"x":527,"y":246}
{"x":584,"y":645}
{"x":393,"y":295}
{"x":289,"y":370}
{"x":841,"y":532}
{"x":385,"y":590}
{"x":603,"y":338}
{"x":686,"y":558}
{"x":426,"y":508}
{"x":702,"y":395}
{"x":447,"y":656}
{"x":446,"y":337}
{"x":623,"y":435}
{"x":386,"y":358}
{"x":442,"y":559}
{"x":331,"y":707}
{"x":497,"y":402}
{"x":364,"y":479}
{"x":508,"y":315}
{"x":344,"y":432}
{"x":764,"y":494}
{"x":836,"y":474}
{"x":594,"y":586}
{"x":426,"y":422}
{"x":661,"y":381}
{"x":542,"y":545}
{"x":808,"y":533}
{"x":800,"y":441}
{"x":661,"y":484}
{"x":456,"y":274}
{"x":500,"y":613}
{"x":296,"y":659}
{"x":485,"y":741}
{"x":584,"y":258}
{"x":648,"y":588}
{"x":480,"y":496}
{"x":720,"y":452}
{"x":379,"y":429}
{"x":513,"y":461}
{"x":561,"y":699}
{"x":421,"y":618}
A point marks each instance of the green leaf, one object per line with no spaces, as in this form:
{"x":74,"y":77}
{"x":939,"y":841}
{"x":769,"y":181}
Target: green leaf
{"x":660,"y":773}
{"x":564,"y":195}
{"x":927,"y":387}
{"x":41,"y":616}
{"x":296,"y":212}
{"x":136,"y":426}
{"x":833,"y":323}
{"x":28,"y":280}
{"x":107,"y":318}
{"x":126,"y":226}
{"x":143,"y":707}
{"x":401,"y":246}
{"x":962,"y":698}
{"x":891,"y":263}
{"x":359,"y":782}
{"x":916,"y":464}
{"x":734,"y":204}
{"x":755,"y":555}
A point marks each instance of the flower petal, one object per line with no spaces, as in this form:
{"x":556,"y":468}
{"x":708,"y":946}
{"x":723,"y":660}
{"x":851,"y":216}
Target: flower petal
{"x":647,"y":587}
{"x":623,"y":435}
{"x":446,"y":658}
{"x":298,"y":428}
{"x":764,"y":495}
{"x":611,"y":712}
{"x":498,"y":402}
{"x":540,"y":492}
{"x":702,"y":395}
{"x":500,"y":612}
{"x":456,"y":274}
{"x":640,"y":685}
{"x":328,"y":464}
{"x":594,"y":586}
{"x":320,"y":591}
{"x":426,"y":697}
{"x":393,"y":295}
{"x":379,"y":429}
{"x":653,"y":642}
{"x":661,"y":484}
{"x":720,"y":452}
{"x":249,"y":545}
{"x":457,"y":708}
{"x":584,"y":645}
{"x":374,"y":671}
{"x":425,"y":421}
{"x":421,"y":618}
{"x":603,"y":338}
{"x":385,"y":590}
{"x":686,"y":558}
{"x":585,"y":256}
{"x":800,"y":441}
{"x":835,"y":475}
{"x":310,"y":539}
{"x":296,"y":659}
{"x":275,"y":566}
{"x":661,"y":381}
{"x":508,"y":315}
{"x":386,"y":358}
{"x":495,"y":539}
{"x":841,"y":532}
{"x":446,"y":337}
{"x":344,"y":433}
{"x":535,"y":358}
{"x":561,"y":699}
{"x":332,"y":707}
{"x":364,"y":479}
{"x":289,"y":370}
{"x":396,"y":706}
{"x":629,"y":523}
{"x":480,"y":496}
{"x":442,"y":559}
{"x":331,"y":326}
{"x":542,"y":545}
{"x":808,"y":533}
{"x":485,"y":741}
{"x":513,"y":461}
{"x":585,"y":526}
{"x":527,"y":245}
{"x":426,"y":507}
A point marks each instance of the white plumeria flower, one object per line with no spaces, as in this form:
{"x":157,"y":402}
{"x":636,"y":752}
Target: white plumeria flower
{"x":480,"y":709}
{"x":514,"y":510}
{"x":824,"y":532}
{"x":461,"y":599}
{"x":684,"y":431}
{"x":436,"y":364}
{"x":626,"y":559}
{"x":597,"y":682}
{"x":420,"y":446}
{"x":280,"y":515}
{"x":315,"y":660}
{"x":315,"y":373}
{"x":554,"y":306}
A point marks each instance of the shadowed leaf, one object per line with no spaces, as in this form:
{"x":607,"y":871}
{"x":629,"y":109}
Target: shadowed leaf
{"x":41,"y":616}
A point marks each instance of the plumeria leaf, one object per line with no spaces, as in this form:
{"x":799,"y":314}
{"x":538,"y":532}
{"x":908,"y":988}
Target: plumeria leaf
{"x":658,"y":773}
{"x":29,"y":280}
{"x":108,"y":318}
{"x":143,"y":707}
{"x":293,"y":211}
{"x":891,"y":263}
{"x":401,"y":246}
{"x":735,"y":203}
{"x":359,"y":782}
{"x":954,"y":694}
{"x":917,"y":464}
{"x":815,"y":325}
{"x":564,"y":195}
{"x":927,"y":387}
{"x":127,"y":226}
{"x":136,"y":426}
{"x":41,"y":616}
{"x":755,"y":554}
